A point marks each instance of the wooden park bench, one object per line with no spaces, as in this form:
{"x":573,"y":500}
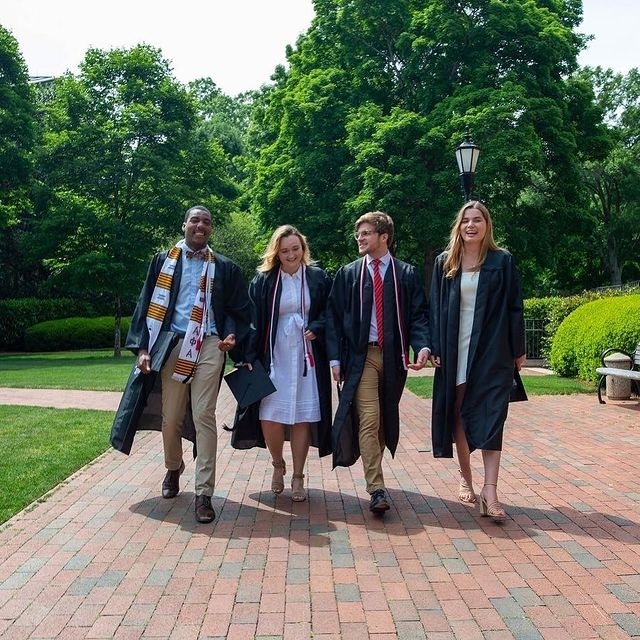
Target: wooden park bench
{"x":632,"y":374}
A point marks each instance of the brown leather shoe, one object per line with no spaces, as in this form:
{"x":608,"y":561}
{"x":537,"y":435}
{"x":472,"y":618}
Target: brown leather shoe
{"x":204,"y":510}
{"x":171,"y":482}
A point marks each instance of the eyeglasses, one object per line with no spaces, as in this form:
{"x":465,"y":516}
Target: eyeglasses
{"x":365,"y":233}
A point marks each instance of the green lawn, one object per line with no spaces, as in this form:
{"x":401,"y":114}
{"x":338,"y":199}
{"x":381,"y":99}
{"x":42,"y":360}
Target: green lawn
{"x":89,"y":370}
{"x":47,"y":446}
{"x":535,"y":385}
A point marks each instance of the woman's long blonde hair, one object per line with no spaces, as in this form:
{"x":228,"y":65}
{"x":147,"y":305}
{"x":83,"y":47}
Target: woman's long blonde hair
{"x":455,"y":248}
{"x":270,"y":259}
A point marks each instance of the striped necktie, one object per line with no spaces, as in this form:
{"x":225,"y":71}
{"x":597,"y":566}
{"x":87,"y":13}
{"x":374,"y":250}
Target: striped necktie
{"x":377,"y":297}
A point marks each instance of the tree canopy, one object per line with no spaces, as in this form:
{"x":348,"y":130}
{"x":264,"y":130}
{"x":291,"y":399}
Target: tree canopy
{"x":17,"y":141}
{"x":97,"y":170}
{"x":378,"y":96}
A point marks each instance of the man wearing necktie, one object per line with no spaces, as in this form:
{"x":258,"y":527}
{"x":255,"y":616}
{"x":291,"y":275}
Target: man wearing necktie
{"x":377,"y":310}
{"x":199,"y":298}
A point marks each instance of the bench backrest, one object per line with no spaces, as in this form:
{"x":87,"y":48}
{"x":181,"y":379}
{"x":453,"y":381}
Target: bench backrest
{"x":636,"y":358}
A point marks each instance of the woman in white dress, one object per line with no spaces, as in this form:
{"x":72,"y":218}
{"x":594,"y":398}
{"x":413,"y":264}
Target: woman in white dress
{"x":477,"y":327}
{"x":288,"y":297}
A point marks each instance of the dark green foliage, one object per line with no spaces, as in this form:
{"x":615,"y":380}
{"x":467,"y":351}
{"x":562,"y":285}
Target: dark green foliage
{"x":17,"y":132}
{"x":17,"y":140}
{"x":593,"y":327}
{"x":18,"y":314}
{"x":239,"y":239}
{"x":612,"y":181}
{"x":73,"y":333}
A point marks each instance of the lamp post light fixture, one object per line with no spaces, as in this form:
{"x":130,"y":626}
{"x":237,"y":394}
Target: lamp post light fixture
{"x":467,"y":153}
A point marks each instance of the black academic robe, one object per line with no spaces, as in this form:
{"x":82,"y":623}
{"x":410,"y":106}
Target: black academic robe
{"x":497,"y":339}
{"x":348,"y":323}
{"x":247,"y":432}
{"x":140,"y":406}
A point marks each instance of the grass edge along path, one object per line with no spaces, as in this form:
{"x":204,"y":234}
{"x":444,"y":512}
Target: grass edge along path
{"x":47,"y":446}
{"x":535,"y":385}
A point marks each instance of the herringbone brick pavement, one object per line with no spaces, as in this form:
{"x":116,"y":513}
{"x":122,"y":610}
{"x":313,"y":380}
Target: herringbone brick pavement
{"x":104,"y":556}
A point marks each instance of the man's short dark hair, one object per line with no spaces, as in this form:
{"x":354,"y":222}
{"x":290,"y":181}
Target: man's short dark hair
{"x":197,"y":207}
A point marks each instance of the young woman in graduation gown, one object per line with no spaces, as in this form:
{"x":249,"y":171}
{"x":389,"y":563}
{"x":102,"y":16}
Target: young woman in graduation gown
{"x":477,"y":329}
{"x":288,"y":301}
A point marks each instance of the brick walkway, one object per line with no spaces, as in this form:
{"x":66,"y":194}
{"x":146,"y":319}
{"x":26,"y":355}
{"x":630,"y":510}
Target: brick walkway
{"x":104,"y":556}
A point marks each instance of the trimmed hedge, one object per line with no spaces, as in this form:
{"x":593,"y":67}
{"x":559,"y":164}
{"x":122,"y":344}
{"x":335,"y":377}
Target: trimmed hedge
{"x":595,"y":326}
{"x":16,"y":314}
{"x":553,"y":310}
{"x":74,"y":333}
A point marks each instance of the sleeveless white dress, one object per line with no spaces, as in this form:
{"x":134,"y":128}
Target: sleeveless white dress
{"x":296,"y":397}
{"x":468,"y":291}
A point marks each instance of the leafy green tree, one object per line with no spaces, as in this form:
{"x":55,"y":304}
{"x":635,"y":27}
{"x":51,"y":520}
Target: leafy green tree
{"x":223,"y":118}
{"x":379,"y":94}
{"x":240,"y":239}
{"x":17,"y":139}
{"x":613,"y":181}
{"x":122,"y":159}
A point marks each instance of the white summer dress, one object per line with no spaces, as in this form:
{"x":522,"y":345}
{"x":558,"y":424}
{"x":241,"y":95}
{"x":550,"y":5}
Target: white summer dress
{"x":296,"y":397}
{"x":468,"y":291}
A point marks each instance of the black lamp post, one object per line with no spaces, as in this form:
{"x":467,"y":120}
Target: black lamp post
{"x":467,"y":154}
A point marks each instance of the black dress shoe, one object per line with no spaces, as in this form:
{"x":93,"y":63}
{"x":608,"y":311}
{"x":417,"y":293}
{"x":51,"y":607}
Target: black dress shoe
{"x":171,"y":482}
{"x":379,"y":503}
{"x":204,"y":510}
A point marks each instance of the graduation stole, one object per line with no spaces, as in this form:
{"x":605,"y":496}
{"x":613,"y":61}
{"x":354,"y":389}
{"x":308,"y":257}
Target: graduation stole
{"x":396,"y":290}
{"x":192,"y":343}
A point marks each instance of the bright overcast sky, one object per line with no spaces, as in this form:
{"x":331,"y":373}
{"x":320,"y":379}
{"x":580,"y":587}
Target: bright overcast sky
{"x":237,"y":43}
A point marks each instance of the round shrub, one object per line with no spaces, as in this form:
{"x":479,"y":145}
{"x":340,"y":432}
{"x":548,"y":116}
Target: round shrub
{"x":16,"y":314}
{"x":595,"y":326}
{"x":553,"y":310}
{"x":70,"y":334}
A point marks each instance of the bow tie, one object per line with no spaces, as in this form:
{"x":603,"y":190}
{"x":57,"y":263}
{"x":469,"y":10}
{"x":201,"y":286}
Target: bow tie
{"x":200,"y":254}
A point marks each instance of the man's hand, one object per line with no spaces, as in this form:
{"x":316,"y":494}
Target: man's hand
{"x":144,"y":361}
{"x":336,"y":372}
{"x":421,"y":360}
{"x":228,"y":343}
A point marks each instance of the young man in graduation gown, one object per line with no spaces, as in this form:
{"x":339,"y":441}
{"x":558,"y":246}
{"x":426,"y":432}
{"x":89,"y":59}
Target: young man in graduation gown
{"x":198,"y":298}
{"x":377,"y":310}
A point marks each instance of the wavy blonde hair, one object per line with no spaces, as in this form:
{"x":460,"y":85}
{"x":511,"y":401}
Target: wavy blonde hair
{"x":455,"y":248}
{"x":270,"y":259}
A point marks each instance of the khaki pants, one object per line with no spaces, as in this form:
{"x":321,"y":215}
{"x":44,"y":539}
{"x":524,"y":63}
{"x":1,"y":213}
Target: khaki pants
{"x":204,"y":389}
{"x":368,"y":406}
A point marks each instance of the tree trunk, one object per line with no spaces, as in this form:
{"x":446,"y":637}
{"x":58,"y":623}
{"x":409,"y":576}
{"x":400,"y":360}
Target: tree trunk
{"x":615,"y":272}
{"x":430,"y":254}
{"x":117,"y":352}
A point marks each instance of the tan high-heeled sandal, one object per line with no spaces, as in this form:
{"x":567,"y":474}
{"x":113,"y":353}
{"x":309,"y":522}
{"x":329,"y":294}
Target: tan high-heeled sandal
{"x":493,"y":510}
{"x":277,"y":479}
{"x":465,"y":492}
{"x":298,"y":493}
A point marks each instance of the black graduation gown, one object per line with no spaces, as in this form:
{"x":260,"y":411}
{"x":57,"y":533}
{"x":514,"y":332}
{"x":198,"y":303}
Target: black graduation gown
{"x":347,"y":338}
{"x":497,"y":339}
{"x":141,"y":405}
{"x":247,"y":432}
